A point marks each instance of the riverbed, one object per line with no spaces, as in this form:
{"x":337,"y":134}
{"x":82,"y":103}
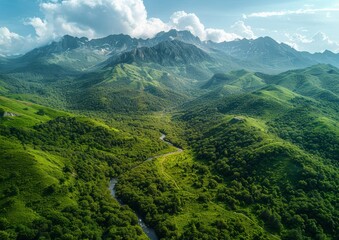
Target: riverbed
{"x":148,"y":231}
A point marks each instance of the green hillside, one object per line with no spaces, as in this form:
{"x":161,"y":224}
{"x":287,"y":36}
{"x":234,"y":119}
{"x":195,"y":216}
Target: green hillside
{"x":55,"y":169}
{"x":254,"y":156}
{"x":319,"y":82}
{"x":241,"y":79}
{"x":127,"y":88}
{"x":279,"y":142}
{"x":265,"y":160}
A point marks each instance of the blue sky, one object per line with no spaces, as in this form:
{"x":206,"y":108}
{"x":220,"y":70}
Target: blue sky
{"x":305,"y":25}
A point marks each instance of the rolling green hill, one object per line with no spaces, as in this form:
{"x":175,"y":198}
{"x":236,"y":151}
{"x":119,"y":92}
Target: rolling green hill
{"x":55,"y":169}
{"x":279,"y":142}
{"x":258,"y":156}
{"x":234,"y":82}
{"x":319,"y":82}
{"x":266,"y":157}
{"x":242,"y":79}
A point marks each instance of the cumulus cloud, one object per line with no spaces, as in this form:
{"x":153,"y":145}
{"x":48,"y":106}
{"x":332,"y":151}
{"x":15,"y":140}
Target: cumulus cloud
{"x":189,"y":21}
{"x":11,"y":43}
{"x":95,"y":18}
{"x":100,"y":18}
{"x":6,"y":36}
{"x":317,"y":43}
{"x":41,"y":28}
{"x":243,"y":30}
{"x":219,"y":35}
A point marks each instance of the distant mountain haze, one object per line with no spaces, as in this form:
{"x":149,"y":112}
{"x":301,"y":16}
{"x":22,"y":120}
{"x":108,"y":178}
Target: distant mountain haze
{"x":262,"y":54}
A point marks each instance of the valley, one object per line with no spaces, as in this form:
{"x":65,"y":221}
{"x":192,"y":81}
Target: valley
{"x":249,"y":147}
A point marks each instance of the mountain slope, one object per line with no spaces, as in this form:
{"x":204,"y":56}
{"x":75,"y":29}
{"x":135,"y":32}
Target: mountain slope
{"x":181,"y":63}
{"x":126,"y":88}
{"x":326,"y":57}
{"x":168,"y":53}
{"x":183,"y":36}
{"x":241,"y":79}
{"x":319,"y":82}
{"x":266,"y":52}
{"x":252,"y":167}
{"x":55,"y":169}
{"x":265,"y":145}
{"x":262,"y":54}
{"x":260,"y":152}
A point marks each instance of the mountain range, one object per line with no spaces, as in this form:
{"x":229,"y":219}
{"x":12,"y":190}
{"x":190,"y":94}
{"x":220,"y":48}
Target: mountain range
{"x":262,"y":53}
{"x":173,"y":63}
{"x":248,"y":148}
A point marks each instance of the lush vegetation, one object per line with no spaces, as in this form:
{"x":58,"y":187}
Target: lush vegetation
{"x":276,"y":180}
{"x":278,"y":157}
{"x":55,"y":174}
{"x":265,"y":159}
{"x":177,"y":197}
{"x":260,"y":157}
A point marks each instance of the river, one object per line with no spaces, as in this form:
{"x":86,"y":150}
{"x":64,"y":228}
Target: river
{"x":148,"y":231}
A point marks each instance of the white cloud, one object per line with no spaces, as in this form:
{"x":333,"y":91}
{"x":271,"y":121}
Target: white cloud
{"x":95,"y":18}
{"x":317,"y":43}
{"x":189,"y":21}
{"x":243,"y":30}
{"x":99,"y":18}
{"x":6,"y":36}
{"x":291,"y":12}
{"x":12,"y":43}
{"x":41,"y":28}
{"x":219,"y":35}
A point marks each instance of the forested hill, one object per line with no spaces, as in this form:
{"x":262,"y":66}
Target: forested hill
{"x":55,"y":169}
{"x":260,"y":144}
{"x":264,"y":156}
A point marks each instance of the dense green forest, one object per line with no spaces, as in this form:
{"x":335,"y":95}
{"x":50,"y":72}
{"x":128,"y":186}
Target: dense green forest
{"x":254,"y":164}
{"x":269,"y":155}
{"x":247,"y":155}
{"x":55,"y":169}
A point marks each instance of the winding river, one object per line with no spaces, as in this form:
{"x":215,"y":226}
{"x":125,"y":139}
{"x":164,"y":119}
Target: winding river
{"x":148,"y":231}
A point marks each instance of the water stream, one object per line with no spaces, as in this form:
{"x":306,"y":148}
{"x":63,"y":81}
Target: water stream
{"x":149,"y":231}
